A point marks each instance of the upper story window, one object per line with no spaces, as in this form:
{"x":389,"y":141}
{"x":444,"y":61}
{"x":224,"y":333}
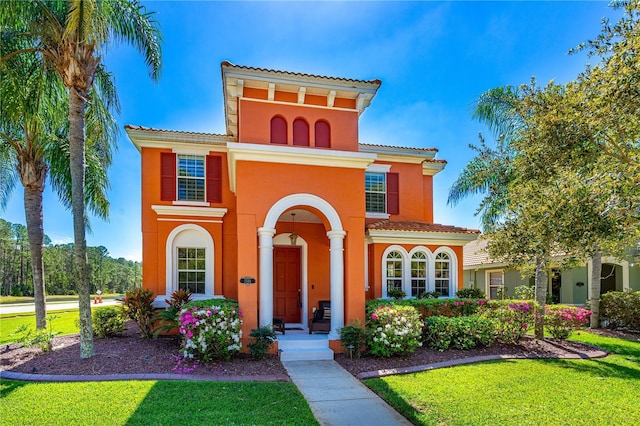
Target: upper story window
{"x":279,"y":130}
{"x":375,"y":192}
{"x":322,"y":134}
{"x":382,"y":193}
{"x":300,"y":132}
{"x":187,"y":177}
{"x":191,"y":178}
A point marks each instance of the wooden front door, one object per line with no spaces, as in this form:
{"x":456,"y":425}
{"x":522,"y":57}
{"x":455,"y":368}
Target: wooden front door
{"x":287,"y":297}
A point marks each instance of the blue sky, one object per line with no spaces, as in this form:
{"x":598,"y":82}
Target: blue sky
{"x":434,"y":60}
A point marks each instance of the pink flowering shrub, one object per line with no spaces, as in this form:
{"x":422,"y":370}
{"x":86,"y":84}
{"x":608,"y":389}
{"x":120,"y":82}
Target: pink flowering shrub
{"x":561,"y":321}
{"x":394,"y":330}
{"x":211,"y":332}
{"x":511,"y":321}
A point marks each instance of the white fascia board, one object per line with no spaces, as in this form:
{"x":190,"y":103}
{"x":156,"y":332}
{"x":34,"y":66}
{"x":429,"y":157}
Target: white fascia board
{"x":162,"y":210}
{"x":413,"y":237}
{"x":379,"y":168}
{"x":432,"y":169}
{"x":484,"y":266}
{"x":167,"y":139}
{"x":400,"y":158}
{"x":293,"y":155}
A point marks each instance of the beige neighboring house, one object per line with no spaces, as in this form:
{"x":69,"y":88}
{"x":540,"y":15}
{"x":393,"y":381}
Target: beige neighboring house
{"x":570,"y":286}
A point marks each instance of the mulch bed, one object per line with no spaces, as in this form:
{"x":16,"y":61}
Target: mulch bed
{"x":131,"y":354}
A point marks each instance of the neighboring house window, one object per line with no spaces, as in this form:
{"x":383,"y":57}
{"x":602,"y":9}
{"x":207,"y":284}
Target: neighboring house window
{"x":376,"y":192}
{"x":322,"y":134}
{"x":300,"y":132}
{"x":394,"y":271}
{"x":382,"y":192}
{"x":278,"y":130}
{"x":443,"y":273}
{"x":191,"y":178}
{"x":418,"y":273}
{"x":191,"y":269}
{"x":496,"y":283}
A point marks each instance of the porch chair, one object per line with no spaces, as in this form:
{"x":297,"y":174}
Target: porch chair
{"x":321,"y":321}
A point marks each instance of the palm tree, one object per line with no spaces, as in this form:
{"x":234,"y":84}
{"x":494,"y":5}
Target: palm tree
{"x":33,"y":135}
{"x":71,"y":35}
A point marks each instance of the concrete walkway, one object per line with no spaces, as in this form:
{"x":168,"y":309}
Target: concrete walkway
{"x":337,"y":398}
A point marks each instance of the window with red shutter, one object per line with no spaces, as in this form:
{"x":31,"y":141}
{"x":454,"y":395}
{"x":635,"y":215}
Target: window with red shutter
{"x":214,"y":178}
{"x":393,"y":193}
{"x":300,"y":132}
{"x":167,"y":176}
{"x":278,"y":130}
{"x":323,"y":134}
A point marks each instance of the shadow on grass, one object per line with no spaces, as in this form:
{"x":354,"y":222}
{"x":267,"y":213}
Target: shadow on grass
{"x":397,"y":401}
{"x":222,"y":403}
{"x":8,"y":386}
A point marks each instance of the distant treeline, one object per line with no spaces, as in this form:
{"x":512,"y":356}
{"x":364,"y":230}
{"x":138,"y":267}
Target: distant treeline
{"x":107,"y":274}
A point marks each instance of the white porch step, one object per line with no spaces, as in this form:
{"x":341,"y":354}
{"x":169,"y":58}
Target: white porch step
{"x":304,"y":348}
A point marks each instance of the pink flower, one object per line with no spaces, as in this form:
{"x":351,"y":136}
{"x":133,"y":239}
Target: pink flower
{"x":374,"y":316}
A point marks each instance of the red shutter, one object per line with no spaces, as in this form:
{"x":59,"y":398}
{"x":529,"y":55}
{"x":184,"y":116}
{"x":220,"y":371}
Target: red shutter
{"x":393,"y":193}
{"x":214,"y":178}
{"x":300,"y":132}
{"x":323,"y":134}
{"x":167,"y":176}
{"x":278,"y":130}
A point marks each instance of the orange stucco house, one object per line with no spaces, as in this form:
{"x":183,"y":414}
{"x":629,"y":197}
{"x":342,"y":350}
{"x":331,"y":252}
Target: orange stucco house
{"x":288,"y":196}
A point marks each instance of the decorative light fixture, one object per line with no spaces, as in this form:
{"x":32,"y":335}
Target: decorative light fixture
{"x":293,"y":236}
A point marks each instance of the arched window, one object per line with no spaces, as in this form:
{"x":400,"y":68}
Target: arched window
{"x":278,"y":130}
{"x":418,"y":273}
{"x":300,"y":132}
{"x":443,"y":274}
{"x":394,"y":269}
{"x":323,"y":134}
{"x":190,"y":260}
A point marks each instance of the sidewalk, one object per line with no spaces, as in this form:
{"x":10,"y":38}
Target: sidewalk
{"x":337,"y":398}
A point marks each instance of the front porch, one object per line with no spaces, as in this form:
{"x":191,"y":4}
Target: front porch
{"x":299,"y":345}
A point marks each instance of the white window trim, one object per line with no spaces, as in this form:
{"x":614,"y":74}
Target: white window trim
{"x":379,"y":168}
{"x":428,"y":260}
{"x":487,"y":281}
{"x":204,"y":179}
{"x":171,"y":258}
{"x":453,"y":268}
{"x":372,"y":215}
{"x":404,"y":255}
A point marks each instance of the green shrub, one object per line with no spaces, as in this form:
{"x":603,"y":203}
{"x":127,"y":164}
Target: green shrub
{"x":394,"y":330}
{"x":138,"y":306}
{"x":471,"y":293}
{"x":431,"y":307}
{"x":511,"y":321}
{"x":560,"y":321}
{"x":263,"y":339}
{"x":43,"y":338}
{"x":107,"y":321}
{"x":397,"y":293}
{"x":429,"y":295}
{"x":621,"y":309}
{"x":525,"y":292}
{"x":353,"y":337}
{"x":169,"y":318}
{"x":210,"y":332}
{"x":441,"y":333}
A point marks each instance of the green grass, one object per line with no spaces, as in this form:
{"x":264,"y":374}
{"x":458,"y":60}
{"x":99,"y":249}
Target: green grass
{"x":152,"y":403}
{"x":65,"y":323}
{"x":525,"y":392}
{"x":8,"y":300}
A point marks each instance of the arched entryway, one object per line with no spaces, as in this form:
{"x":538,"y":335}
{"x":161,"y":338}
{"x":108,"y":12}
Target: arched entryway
{"x":336,"y":236}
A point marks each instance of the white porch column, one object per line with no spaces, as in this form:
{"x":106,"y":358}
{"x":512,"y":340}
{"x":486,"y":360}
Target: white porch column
{"x":336,"y":256}
{"x":265,"y":248}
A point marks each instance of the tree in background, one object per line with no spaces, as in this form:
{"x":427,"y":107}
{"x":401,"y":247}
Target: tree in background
{"x":71,"y":36}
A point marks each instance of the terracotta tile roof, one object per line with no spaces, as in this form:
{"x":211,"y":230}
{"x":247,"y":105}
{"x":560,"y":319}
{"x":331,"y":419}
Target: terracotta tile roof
{"x":298,"y":74}
{"x":365,"y":145}
{"x":152,"y":129}
{"x":475,"y":254}
{"x":387,"y":225}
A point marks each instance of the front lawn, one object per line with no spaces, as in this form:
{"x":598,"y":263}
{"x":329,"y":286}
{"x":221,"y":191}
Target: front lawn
{"x":577,"y":392}
{"x":65,"y":323}
{"x":152,"y":403}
